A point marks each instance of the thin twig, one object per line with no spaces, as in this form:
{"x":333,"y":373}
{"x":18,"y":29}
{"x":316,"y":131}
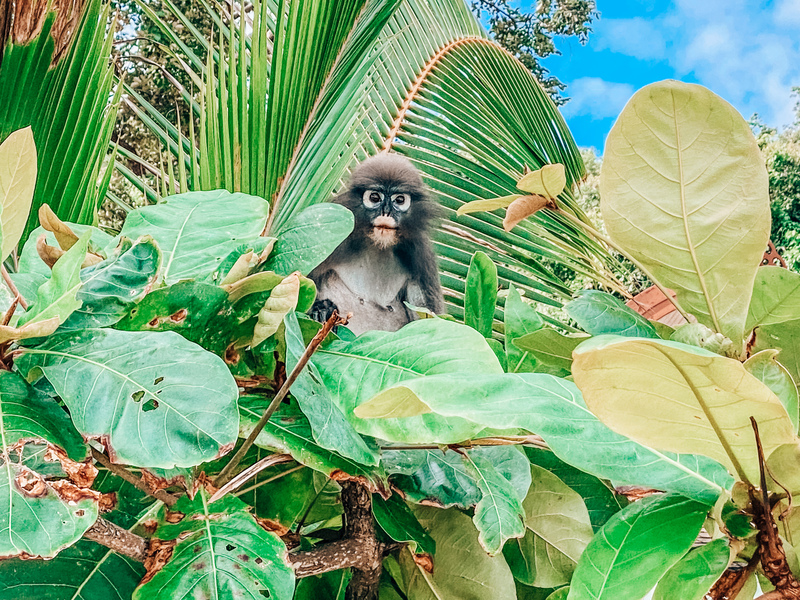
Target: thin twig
{"x":225,"y":474}
{"x":249,"y":473}
{"x":136,"y":482}
{"x":592,"y":231}
{"x":13,"y":288}
{"x":269,"y":480}
{"x":535,"y":441}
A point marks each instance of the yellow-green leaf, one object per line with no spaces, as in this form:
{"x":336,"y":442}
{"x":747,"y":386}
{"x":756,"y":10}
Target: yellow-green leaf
{"x":549,"y":181}
{"x":17,"y":182}
{"x":282,"y":299}
{"x":31,"y":330}
{"x":681,"y":398}
{"x":685,"y":191}
{"x":486,"y":205}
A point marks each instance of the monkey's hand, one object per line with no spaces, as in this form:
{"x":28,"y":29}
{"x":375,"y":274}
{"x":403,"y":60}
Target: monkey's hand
{"x":322,"y":310}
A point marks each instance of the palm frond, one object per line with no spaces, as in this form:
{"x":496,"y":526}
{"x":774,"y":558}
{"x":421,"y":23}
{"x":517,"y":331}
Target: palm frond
{"x":70,"y":109}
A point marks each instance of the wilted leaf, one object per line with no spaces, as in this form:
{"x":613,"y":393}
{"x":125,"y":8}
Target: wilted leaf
{"x":522,"y":208}
{"x":17,"y":183}
{"x":684,"y":190}
{"x":197,"y":230}
{"x":636,"y":547}
{"x":41,"y":517}
{"x":221,"y":553}
{"x":486,"y":205}
{"x":65,"y":237}
{"x":282,"y":299}
{"x":156,"y":399}
{"x":549,"y":181}
{"x":29,"y":261}
{"x":681,"y":398}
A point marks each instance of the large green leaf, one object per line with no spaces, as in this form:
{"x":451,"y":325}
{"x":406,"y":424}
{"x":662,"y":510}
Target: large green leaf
{"x":498,"y":514}
{"x":355,"y":371}
{"x":695,"y":573}
{"x":197,"y":230}
{"x":70,"y":106}
{"x":598,"y":495}
{"x":681,"y":398}
{"x":776,"y":297}
{"x":481,"y":294}
{"x":57,"y":297}
{"x":109,"y":288}
{"x":309,"y":237}
{"x":559,"y":530}
{"x":330,"y":427}
{"x":636,"y":547}
{"x":600,"y":313}
{"x":221,"y":553}
{"x":764,"y":367}
{"x":521,"y":319}
{"x":39,"y":518}
{"x":462,"y":567}
{"x":30,"y":263}
{"x":153,"y":399}
{"x":17,"y":184}
{"x":784,"y":336}
{"x":554,"y":409}
{"x":551,"y":350}
{"x":396,"y":519}
{"x":684,"y":190}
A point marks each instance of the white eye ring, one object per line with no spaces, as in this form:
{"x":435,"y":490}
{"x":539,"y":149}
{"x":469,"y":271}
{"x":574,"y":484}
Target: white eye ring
{"x":372,"y":199}
{"x":401,"y":201}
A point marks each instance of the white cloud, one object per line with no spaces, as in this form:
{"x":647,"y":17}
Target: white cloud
{"x":637,"y":37}
{"x":747,"y":51}
{"x":596,"y":98}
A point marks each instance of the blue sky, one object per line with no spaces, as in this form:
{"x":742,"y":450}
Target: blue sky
{"x":748,"y":52}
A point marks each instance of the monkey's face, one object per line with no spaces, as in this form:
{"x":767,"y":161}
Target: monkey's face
{"x":385,"y":208}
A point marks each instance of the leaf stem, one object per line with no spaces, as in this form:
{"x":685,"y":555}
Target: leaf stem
{"x":225,"y":474}
{"x":13,"y":288}
{"x":639,"y":265}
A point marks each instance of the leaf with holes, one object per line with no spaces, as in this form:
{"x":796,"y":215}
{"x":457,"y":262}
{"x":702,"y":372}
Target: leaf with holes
{"x":154,"y":399}
{"x":42,"y":516}
{"x":221,"y":552}
{"x":684,"y":190}
{"x":196,"y":231}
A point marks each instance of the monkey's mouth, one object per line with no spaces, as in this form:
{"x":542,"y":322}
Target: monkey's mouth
{"x":384,"y":232}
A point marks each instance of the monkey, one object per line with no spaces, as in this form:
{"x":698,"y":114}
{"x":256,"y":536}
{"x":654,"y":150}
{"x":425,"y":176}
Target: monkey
{"x":388,"y":258}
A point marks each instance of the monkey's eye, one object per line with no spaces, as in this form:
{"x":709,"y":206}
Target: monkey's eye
{"x":401,"y":201}
{"x":372,"y":199}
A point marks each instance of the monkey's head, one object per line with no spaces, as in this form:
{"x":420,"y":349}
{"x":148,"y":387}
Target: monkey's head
{"x":389,"y":201}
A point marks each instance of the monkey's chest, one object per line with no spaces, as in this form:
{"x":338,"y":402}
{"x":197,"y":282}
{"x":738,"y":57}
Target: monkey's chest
{"x":374,"y":294}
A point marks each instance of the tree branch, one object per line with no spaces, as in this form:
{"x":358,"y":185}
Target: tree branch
{"x":117,"y":539}
{"x":226,"y":473}
{"x":136,"y":482}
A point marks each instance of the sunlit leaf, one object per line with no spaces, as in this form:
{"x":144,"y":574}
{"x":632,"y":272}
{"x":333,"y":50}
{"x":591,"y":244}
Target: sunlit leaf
{"x":17,"y":184}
